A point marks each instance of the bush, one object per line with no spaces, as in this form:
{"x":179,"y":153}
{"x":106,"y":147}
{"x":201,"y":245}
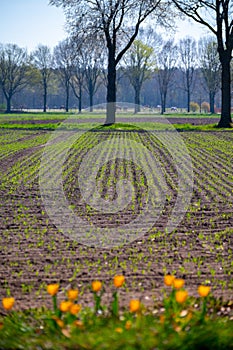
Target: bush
{"x":205,"y":106}
{"x":194,"y":106}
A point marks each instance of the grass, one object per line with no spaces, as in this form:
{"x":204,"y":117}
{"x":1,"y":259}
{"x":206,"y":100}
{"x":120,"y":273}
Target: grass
{"x":30,"y":121}
{"x":117,"y":126}
{"x":179,"y":322}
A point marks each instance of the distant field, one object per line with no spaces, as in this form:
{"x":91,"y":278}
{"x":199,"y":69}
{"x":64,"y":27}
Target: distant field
{"x":149,"y":120}
{"x":129,"y":113}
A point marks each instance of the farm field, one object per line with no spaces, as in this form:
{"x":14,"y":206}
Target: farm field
{"x":51,"y":119}
{"x":35,"y":253}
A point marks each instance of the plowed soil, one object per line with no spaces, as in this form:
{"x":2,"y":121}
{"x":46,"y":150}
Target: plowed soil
{"x":34,"y":252}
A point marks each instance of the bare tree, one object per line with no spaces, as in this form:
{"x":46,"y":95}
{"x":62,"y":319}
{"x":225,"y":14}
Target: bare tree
{"x":138,"y":62}
{"x":188,"y":61}
{"x":216,"y":15}
{"x":14,"y":71}
{"x":167,"y":59}
{"x":43,"y":60}
{"x":63,"y":59}
{"x":112,"y":19}
{"x":92,"y":50}
{"x":77,"y":78}
{"x":210,"y":67}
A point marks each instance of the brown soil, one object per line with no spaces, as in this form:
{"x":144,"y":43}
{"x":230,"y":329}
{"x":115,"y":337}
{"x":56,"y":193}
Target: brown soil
{"x":34,"y":253}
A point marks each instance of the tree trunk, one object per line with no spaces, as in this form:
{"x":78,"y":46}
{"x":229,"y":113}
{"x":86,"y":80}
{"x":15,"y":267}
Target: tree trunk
{"x":67,"y":96}
{"x":45,"y":98}
{"x":163,"y":102}
{"x":91,"y":96}
{"x":212,"y":98}
{"x":80,"y":100}
{"x":111,"y":88}
{"x":8,"y":104}
{"x":163,"y":108}
{"x":188,"y":100}
{"x":137,"y":100}
{"x":226,"y":121}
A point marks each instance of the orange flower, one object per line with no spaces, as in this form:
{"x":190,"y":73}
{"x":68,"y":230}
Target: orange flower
{"x":8,"y":303}
{"x":78,"y":324}
{"x":134,"y":305}
{"x":119,"y":281}
{"x":178,"y":283}
{"x":203,"y":291}
{"x":96,"y":286}
{"x":181,"y":296}
{"x":65,"y":305}
{"x":75,"y":308}
{"x":168,"y":280}
{"x":128,"y":325}
{"x":72,"y":294}
{"x":52,"y":289}
{"x":119,"y":330}
{"x":59,"y":322}
{"x":162,"y":319}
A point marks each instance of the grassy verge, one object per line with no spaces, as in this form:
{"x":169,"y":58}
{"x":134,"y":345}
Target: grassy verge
{"x":179,"y":322}
{"x":97,"y":114}
{"x":118,"y":126}
{"x":34,"y":116}
{"x":52,"y":120}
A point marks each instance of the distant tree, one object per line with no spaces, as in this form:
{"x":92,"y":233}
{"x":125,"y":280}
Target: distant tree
{"x":115,"y":19}
{"x":211,"y":67}
{"x":200,"y":92}
{"x":43,"y":60}
{"x":138,"y":61}
{"x":63,"y":60}
{"x":216,"y":15}
{"x":92,"y":52}
{"x":78,"y":72}
{"x":14,"y":71}
{"x":166,"y":66}
{"x":188,"y":63}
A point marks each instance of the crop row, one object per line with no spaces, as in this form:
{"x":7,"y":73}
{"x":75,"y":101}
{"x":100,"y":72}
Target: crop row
{"x":35,"y":253}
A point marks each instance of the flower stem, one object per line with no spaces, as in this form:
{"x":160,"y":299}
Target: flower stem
{"x":115,"y":305}
{"x":54,"y":297}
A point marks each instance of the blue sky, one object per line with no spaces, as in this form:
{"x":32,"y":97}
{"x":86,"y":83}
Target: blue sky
{"x":28,"y":23}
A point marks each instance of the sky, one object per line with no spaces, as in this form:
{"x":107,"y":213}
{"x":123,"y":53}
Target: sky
{"x":29,"y":23}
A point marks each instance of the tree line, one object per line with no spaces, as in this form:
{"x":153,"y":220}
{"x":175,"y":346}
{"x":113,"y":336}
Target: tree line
{"x":159,"y":72}
{"x":105,"y":44}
